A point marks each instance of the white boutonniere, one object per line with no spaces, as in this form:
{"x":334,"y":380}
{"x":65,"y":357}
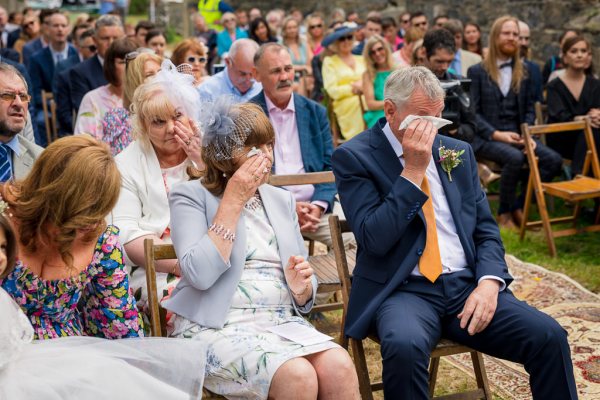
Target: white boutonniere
{"x":450,"y":159}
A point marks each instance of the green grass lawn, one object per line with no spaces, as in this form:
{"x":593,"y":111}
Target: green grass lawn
{"x":578,"y":256}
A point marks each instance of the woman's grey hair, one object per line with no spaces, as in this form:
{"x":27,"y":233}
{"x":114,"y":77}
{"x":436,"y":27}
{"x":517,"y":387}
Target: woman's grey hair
{"x":7,"y":69}
{"x":403,"y":82}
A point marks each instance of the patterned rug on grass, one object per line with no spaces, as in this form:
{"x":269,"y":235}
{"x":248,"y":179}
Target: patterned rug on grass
{"x":574,"y":307}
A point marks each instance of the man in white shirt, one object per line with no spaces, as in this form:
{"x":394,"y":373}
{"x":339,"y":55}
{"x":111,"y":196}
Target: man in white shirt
{"x":430,"y":260}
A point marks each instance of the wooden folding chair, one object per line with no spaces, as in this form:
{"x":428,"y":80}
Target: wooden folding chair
{"x":154,"y":252}
{"x":323,"y":265}
{"x":576,"y":190}
{"x":49,"y":115}
{"x":345,"y":262}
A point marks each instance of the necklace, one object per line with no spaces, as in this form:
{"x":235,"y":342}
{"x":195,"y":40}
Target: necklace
{"x":254,"y":203}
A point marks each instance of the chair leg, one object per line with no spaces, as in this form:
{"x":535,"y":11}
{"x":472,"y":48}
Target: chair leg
{"x":576,"y":212}
{"x":526,"y":208}
{"x":480,"y":374}
{"x":434,"y":366}
{"x":364,"y":382}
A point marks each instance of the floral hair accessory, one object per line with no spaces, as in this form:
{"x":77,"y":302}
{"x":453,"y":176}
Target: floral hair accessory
{"x":449,"y":159}
{"x":224,"y":133}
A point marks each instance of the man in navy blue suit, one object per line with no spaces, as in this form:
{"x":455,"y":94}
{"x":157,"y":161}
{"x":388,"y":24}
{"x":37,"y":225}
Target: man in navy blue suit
{"x":41,"y":67}
{"x":35,"y":45}
{"x":430,"y":261}
{"x":302,"y":138}
{"x":89,"y":75}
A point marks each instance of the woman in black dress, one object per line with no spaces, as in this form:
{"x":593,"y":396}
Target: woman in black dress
{"x":574,"y":95}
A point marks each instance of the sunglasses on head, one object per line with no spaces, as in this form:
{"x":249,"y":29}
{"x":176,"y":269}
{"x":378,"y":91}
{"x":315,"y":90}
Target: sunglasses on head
{"x":315,"y":26}
{"x":133,"y":55}
{"x":193,"y":59}
{"x":347,"y":37}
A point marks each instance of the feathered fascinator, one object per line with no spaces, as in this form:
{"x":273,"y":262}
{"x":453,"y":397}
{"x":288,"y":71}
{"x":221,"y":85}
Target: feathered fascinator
{"x":224,"y":131}
{"x":180,"y":89}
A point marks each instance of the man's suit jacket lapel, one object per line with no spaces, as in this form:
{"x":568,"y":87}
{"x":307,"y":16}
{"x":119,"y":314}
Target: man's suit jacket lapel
{"x":384,"y":155}
{"x":453,"y":196}
{"x":23,"y":162}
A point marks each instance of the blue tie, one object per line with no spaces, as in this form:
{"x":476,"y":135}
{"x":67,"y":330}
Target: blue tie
{"x":5,"y":168}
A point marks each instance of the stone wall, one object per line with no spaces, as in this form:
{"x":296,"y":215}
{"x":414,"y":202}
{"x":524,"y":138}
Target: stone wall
{"x":547,"y":18}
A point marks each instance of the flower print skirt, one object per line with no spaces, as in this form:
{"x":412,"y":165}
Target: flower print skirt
{"x":243,"y":356}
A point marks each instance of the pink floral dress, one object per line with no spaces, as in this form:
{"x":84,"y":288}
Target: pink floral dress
{"x":96,"y":302}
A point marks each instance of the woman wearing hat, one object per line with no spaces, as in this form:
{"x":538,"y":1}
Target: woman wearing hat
{"x":342,"y":79}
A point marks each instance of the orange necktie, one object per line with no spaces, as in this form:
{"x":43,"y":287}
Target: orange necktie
{"x":430,"y":263}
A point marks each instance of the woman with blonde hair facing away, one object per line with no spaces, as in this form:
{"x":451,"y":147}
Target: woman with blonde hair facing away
{"x":58,"y":214}
{"x":378,"y":57}
{"x":192,"y":52}
{"x":244,"y":269}
{"x":92,"y":115}
{"x":68,"y":283}
{"x":166,"y":142}
{"x":342,"y":80}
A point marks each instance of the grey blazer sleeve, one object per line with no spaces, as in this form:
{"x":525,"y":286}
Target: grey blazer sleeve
{"x":199,"y":260}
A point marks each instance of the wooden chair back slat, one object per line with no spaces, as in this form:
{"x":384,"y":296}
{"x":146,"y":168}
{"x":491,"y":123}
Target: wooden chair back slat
{"x":308,"y":178}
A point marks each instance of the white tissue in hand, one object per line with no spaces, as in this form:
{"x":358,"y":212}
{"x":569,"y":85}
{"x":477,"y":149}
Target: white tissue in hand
{"x":253,"y":151}
{"x":437,"y":122}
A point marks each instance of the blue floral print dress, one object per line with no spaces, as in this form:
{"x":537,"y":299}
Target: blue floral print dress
{"x":243,"y":356}
{"x":95,"y":302}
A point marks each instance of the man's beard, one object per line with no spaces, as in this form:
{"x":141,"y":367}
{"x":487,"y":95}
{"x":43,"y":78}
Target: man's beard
{"x":9,"y":131}
{"x":508,"y":50}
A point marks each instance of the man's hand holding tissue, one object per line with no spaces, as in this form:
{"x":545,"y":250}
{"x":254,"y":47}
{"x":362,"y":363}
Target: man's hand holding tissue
{"x":417,"y":142}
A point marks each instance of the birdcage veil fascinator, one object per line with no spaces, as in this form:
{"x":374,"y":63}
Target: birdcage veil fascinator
{"x":224,"y":128}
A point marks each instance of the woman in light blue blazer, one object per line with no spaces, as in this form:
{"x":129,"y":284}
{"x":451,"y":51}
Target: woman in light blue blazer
{"x":244,"y":269}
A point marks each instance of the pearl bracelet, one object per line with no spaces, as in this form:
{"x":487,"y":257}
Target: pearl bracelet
{"x":223,"y":232}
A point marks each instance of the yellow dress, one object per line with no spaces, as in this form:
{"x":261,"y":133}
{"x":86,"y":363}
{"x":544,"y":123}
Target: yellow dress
{"x":337,"y":80}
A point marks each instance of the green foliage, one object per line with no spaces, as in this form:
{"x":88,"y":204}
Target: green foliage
{"x":139,"y":6}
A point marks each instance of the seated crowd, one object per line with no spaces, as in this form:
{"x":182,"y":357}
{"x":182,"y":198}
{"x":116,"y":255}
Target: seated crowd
{"x":152,"y":146}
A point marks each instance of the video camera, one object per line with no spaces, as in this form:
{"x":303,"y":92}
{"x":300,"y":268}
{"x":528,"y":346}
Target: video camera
{"x":457,"y":96}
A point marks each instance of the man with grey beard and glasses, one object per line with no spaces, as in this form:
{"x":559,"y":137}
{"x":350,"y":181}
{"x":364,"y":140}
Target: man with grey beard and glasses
{"x":302,"y":139}
{"x":17,"y":154}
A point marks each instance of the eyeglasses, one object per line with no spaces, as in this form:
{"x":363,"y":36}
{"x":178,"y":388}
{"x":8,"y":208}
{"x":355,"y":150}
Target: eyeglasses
{"x":405,"y":21}
{"x":347,"y":37}
{"x":377,"y":50}
{"x":315,"y":26}
{"x":193,"y":59}
{"x":420,"y":24}
{"x":30,"y":23}
{"x":11,"y":96}
{"x":91,"y":47}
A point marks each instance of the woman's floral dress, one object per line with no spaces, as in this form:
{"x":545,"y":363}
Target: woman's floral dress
{"x":96,"y":302}
{"x":243,"y":356}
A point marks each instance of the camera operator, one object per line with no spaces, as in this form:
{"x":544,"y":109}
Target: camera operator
{"x":440,"y":49}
